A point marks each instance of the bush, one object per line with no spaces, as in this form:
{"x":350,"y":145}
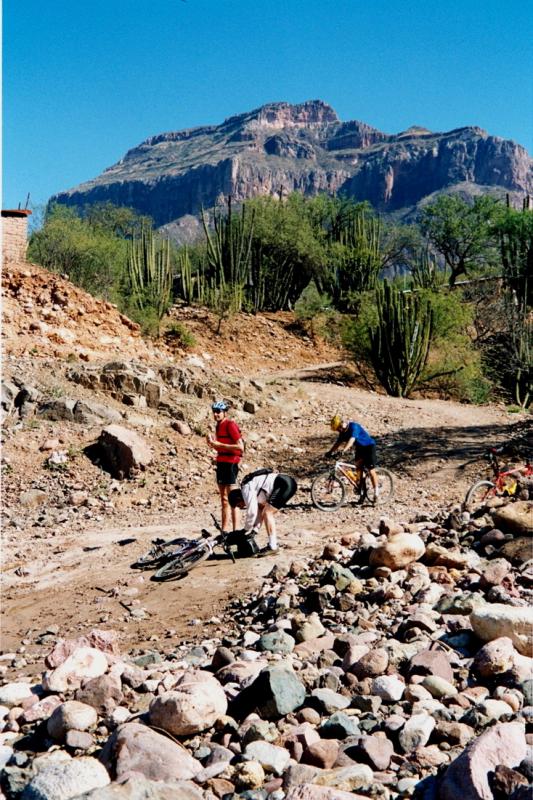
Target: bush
{"x":178,"y":332}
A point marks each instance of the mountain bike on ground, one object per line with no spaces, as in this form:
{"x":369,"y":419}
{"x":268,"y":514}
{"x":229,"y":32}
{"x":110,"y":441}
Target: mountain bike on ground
{"x":504,"y":483}
{"x":176,"y":557}
{"x":329,"y":490}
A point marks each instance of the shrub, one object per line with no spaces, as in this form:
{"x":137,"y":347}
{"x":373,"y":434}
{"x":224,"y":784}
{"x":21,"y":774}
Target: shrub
{"x":178,"y":332}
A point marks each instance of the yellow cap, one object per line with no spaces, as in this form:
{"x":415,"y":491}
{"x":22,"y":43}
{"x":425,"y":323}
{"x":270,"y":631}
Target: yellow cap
{"x":336,"y":422}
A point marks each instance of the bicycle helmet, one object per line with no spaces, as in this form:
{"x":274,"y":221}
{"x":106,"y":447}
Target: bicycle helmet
{"x":235,"y":497}
{"x":336,"y":423}
{"x":220,"y":405}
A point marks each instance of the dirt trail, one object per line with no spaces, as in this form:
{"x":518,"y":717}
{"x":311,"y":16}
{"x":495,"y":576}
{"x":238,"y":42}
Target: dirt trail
{"x":82,"y":578}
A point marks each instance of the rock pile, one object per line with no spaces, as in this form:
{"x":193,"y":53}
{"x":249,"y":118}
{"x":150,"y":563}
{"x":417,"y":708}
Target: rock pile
{"x":398,"y":664}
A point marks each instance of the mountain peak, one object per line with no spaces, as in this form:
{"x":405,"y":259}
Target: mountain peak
{"x":286,"y":115}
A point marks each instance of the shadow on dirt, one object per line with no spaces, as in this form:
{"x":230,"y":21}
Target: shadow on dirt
{"x":402,"y":450}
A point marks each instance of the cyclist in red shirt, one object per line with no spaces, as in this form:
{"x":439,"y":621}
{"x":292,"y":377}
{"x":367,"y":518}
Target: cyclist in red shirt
{"x":229,"y":445}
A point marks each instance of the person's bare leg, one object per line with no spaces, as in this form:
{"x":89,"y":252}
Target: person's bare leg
{"x":235,"y":515}
{"x":270,"y":525}
{"x":224,"y":507}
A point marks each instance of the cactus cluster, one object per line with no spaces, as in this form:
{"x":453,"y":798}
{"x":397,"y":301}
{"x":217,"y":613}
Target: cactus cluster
{"x":401,"y":338}
{"x":150,"y":272}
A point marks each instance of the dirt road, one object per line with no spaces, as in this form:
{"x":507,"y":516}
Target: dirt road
{"x":79,"y":579}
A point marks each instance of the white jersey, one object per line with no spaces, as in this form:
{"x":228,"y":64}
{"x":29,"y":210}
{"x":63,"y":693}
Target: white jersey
{"x":257,"y":491}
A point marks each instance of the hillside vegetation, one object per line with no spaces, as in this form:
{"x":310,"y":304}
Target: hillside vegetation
{"x":441,"y":306}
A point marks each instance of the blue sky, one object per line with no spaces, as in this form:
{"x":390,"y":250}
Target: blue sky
{"x":84,"y":82}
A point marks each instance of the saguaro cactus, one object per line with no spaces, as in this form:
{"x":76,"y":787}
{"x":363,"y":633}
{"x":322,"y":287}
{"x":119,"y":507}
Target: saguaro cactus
{"x":400,"y":341}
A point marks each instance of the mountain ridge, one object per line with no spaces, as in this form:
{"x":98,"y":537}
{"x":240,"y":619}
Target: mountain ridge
{"x":305,"y":147}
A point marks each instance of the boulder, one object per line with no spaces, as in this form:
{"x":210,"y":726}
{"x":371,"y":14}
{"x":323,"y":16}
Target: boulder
{"x":84,"y":662}
{"x":122,"y":450}
{"x":66,"y":779}
{"x":103,"y":693}
{"x":309,"y":791}
{"x":70,"y":715}
{"x":398,"y":551}
{"x":494,"y":658}
{"x":12,"y":694}
{"x":515,"y":518}
{"x":468,"y":776}
{"x":416,"y":732}
{"x":194,"y":705}
{"x":495,"y":620}
{"x":275,"y":692}
{"x":136,"y":748}
{"x":431,"y":662}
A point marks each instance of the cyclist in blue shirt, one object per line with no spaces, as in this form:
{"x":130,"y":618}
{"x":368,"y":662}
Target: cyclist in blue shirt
{"x":351,"y":434}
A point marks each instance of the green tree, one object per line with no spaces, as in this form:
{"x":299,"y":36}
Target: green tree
{"x":461,"y":233}
{"x":120,"y":221}
{"x":92,"y":258}
{"x":286,"y":254}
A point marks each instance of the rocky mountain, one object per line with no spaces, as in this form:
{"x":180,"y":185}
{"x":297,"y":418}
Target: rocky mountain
{"x":307,"y":148}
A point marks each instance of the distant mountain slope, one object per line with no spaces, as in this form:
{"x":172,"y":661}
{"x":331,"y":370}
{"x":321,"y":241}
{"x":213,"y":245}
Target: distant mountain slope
{"x":305,"y":148}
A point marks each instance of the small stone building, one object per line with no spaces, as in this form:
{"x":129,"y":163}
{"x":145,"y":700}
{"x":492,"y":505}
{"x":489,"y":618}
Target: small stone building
{"x":14,"y":234}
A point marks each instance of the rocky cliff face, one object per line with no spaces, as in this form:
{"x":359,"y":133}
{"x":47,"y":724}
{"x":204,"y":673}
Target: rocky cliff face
{"x":283,"y":148}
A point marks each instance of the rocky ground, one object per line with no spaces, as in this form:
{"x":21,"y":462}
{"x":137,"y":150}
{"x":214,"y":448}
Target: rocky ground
{"x":394,"y":661}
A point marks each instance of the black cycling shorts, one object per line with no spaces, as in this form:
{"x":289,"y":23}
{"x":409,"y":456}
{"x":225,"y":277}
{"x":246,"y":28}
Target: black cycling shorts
{"x":284,"y":488}
{"x":367,"y":454}
{"x":227,"y":473}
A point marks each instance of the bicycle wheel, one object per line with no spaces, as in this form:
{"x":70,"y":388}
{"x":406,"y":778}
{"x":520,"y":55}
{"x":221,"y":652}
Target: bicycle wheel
{"x":478,"y":494}
{"x":158,"y":554}
{"x":328,"y":492}
{"x":182,"y":563}
{"x":385,"y":487}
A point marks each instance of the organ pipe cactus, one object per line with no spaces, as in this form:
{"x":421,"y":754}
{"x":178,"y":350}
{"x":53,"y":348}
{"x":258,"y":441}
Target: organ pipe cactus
{"x":150,"y":273}
{"x":401,"y":338}
{"x":229,"y":246}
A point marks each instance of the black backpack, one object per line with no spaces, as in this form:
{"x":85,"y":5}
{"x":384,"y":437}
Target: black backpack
{"x":257,"y":474}
{"x":245,"y":544}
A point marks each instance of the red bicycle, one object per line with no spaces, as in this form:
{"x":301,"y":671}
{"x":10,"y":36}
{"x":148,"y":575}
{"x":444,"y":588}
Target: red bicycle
{"x":503,"y":484}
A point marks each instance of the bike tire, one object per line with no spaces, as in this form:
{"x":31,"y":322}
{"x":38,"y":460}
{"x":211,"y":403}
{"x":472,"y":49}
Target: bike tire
{"x":155,"y":556}
{"x":385,"y":486}
{"x":324,"y":485}
{"x":478,"y":494}
{"x":181,"y":564}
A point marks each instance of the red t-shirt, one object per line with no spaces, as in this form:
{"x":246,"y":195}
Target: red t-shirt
{"x":228,"y":432}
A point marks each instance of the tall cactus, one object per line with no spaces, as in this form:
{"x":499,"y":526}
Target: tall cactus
{"x":150,"y":273}
{"x":401,"y":338}
{"x":356,"y":253}
{"x":229,"y":247}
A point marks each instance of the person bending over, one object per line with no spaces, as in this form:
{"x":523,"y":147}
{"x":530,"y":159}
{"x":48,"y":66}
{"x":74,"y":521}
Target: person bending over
{"x":229,"y":445}
{"x":351,"y":434}
{"x":262,"y":496}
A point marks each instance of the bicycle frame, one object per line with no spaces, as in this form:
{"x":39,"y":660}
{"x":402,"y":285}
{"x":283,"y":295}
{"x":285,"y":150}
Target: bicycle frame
{"x":354,"y":474}
{"x":504,"y":478}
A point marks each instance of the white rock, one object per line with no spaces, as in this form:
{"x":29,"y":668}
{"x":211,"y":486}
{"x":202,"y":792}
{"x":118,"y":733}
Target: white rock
{"x":85,"y":662}
{"x":270,"y":756}
{"x":494,"y":620}
{"x":416,"y":732}
{"x":388,"y":687}
{"x":194,"y":706}
{"x":12,"y":694}
{"x":71,"y":715}
{"x":66,"y":780}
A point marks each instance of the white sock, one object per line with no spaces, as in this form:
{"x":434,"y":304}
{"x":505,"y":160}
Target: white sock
{"x":273,"y":541}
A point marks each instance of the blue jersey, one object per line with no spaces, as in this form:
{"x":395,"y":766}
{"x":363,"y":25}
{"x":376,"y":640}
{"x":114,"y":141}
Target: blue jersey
{"x":358,"y":433}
